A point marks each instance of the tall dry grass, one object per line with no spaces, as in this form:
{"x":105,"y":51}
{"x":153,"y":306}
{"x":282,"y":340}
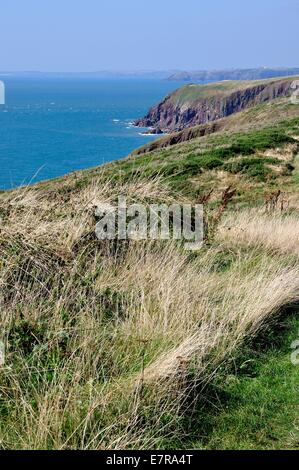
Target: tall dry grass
{"x":104,"y":343}
{"x":271,"y":231}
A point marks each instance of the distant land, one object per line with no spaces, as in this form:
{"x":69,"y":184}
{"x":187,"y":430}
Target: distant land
{"x":201,"y":76}
{"x":102,"y":74}
{"x":233,"y":74}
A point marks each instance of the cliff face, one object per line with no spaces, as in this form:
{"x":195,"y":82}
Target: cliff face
{"x":198,"y":104}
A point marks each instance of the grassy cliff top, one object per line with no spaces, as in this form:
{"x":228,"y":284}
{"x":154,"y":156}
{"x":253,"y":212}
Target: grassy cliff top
{"x":195,"y":92}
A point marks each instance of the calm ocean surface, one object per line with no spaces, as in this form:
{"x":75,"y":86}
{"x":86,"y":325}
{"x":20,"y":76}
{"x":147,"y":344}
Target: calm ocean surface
{"x":50,"y":127}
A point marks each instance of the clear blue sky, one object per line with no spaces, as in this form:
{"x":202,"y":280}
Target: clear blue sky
{"x":90,"y":35}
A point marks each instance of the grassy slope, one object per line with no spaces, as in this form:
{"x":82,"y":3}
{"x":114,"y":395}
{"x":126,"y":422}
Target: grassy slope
{"x":253,"y":403}
{"x":173,"y":359}
{"x":250,"y":161}
{"x":192,"y":93}
{"x":252,"y":118}
{"x":260,"y":405}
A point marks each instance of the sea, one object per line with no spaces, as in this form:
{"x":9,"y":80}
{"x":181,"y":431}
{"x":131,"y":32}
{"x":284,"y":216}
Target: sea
{"x":53,"y":126}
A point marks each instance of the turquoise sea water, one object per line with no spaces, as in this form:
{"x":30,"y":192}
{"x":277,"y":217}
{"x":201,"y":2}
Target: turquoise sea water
{"x":50,"y":127}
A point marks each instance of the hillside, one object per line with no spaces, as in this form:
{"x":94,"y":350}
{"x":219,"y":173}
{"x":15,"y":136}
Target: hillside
{"x":127,"y":344}
{"x":256,"y":117}
{"x":193,"y":105}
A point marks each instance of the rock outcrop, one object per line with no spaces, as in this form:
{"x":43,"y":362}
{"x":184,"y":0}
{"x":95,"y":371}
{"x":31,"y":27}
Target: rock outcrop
{"x":199,"y":104}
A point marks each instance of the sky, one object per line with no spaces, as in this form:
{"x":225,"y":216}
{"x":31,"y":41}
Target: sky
{"x":93,"y":35}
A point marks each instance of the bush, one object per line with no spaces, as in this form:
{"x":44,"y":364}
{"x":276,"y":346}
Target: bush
{"x":254,"y":167}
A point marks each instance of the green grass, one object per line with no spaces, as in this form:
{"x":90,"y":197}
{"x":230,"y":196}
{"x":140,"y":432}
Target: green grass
{"x":253,"y":167}
{"x":191,"y":160}
{"x":185,"y":160}
{"x":257,"y":117}
{"x":262,"y":407}
{"x":254,"y":404}
{"x":210,"y":91}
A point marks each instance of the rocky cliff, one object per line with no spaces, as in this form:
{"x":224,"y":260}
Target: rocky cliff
{"x":192,"y":105}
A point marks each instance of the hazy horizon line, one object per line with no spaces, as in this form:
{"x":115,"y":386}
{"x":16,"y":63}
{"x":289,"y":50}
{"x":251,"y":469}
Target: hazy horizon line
{"x":153,"y":70}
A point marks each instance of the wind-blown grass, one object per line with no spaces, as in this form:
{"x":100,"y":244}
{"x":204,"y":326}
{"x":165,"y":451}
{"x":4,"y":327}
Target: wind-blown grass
{"x":106,"y":342}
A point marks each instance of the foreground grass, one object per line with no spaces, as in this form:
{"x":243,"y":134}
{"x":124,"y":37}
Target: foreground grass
{"x":255,"y":405}
{"x":106,"y":344}
{"x":253,"y":401}
{"x":115,"y":345}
